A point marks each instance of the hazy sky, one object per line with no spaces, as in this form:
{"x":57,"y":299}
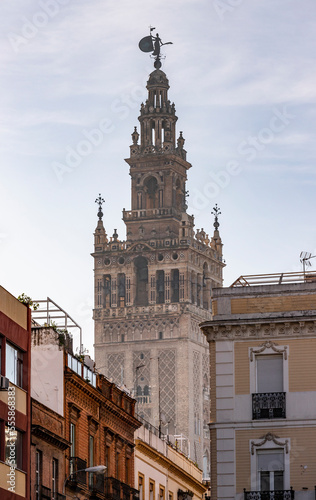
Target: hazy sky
{"x":243,"y":78}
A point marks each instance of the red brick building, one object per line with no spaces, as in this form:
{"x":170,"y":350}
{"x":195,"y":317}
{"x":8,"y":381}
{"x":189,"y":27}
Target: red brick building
{"x":80,"y":420}
{"x":15,"y":412}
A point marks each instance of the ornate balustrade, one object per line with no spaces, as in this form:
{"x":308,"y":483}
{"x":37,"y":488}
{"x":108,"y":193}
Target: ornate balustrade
{"x":268,"y":405}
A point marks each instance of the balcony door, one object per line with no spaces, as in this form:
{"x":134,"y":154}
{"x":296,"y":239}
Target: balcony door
{"x":269,"y":373}
{"x":270,"y":470}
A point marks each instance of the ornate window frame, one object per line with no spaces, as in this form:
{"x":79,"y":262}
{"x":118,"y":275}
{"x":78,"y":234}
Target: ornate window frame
{"x":268,"y":348}
{"x":271,"y":442}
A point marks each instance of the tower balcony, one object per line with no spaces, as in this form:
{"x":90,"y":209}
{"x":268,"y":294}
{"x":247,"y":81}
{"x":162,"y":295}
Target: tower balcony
{"x":150,"y":213}
{"x":150,"y":310}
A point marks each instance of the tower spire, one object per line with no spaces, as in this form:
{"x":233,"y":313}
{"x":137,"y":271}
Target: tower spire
{"x":216,"y":242}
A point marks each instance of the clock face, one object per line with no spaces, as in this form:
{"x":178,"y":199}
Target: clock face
{"x":151,"y":109}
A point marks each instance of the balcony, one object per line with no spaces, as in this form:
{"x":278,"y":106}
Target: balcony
{"x":60,"y":496}
{"x":46,"y":493}
{"x":268,"y":405}
{"x":96,"y":485}
{"x":116,"y":490}
{"x":77,"y":479}
{"x":269,"y":495}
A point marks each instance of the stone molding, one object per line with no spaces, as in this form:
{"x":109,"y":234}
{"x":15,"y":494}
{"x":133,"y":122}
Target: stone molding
{"x":269,"y":437}
{"x":260,"y":329}
{"x":268,"y":345}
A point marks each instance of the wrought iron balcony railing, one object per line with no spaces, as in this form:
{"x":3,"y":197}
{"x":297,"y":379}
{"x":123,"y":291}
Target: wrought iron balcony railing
{"x":46,"y":493}
{"x":60,"y":496}
{"x":116,"y":490}
{"x":77,"y":464}
{"x":269,"y":495}
{"x":96,"y":483}
{"x":268,"y":405}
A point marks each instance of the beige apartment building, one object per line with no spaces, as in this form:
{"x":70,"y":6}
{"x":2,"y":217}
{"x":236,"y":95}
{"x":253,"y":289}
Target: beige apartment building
{"x":161,"y":471}
{"x":262,"y":342}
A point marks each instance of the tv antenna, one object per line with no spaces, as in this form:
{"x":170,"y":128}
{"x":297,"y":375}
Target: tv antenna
{"x":305,"y":258}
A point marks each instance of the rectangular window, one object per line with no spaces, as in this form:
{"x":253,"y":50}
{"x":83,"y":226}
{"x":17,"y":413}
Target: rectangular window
{"x":121,"y":289}
{"x":14,"y":364}
{"x":38,"y":474}
{"x":160,"y":287}
{"x":170,"y":496}
{"x":13,"y":447}
{"x":269,"y":373}
{"x":91,"y":460}
{"x":72,"y":440}
{"x":99,"y":292}
{"x":141,"y":482}
{"x":117,"y":464}
{"x":128,"y":291}
{"x":161,"y":493}
{"x":151,"y":490}
{"x":270,"y":465}
{"x":54,"y":479}
{"x":107,"y":290}
{"x":175,"y":285}
{"x":181,"y":285}
{"x":113,"y":296}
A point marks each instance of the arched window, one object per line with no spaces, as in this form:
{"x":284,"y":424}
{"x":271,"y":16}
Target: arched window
{"x":141,"y":267}
{"x":107,"y":290}
{"x":121,"y":289}
{"x":151,"y":187}
{"x":139,"y":200}
{"x":160,"y":287}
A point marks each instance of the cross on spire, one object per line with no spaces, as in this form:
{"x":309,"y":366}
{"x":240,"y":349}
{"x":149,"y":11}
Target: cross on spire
{"x":100,"y":202}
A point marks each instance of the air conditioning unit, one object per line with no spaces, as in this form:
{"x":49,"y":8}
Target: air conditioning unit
{"x":4,"y":383}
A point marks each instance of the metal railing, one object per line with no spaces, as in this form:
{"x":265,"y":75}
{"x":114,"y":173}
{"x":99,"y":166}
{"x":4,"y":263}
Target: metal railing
{"x":274,"y":278}
{"x":77,"y":464}
{"x":46,"y":493}
{"x":269,"y":495}
{"x":116,"y":490}
{"x":268,"y":405}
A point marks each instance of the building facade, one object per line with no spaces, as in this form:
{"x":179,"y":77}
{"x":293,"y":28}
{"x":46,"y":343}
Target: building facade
{"x":152,"y":289}
{"x":162,"y":471}
{"x":15,"y":397}
{"x":80,"y":420}
{"x":262,"y":342}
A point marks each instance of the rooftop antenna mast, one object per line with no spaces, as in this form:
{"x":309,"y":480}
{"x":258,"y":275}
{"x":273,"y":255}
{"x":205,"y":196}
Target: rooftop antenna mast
{"x":153,"y":44}
{"x":305,"y":258}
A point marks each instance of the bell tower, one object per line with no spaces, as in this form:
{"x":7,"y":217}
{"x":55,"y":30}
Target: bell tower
{"x":153,"y":288}
{"x":158,"y":167}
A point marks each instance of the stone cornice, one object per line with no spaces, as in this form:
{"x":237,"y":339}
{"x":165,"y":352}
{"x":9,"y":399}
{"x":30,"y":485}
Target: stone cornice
{"x":165,"y":462}
{"x":50,"y":437}
{"x":80,"y":384}
{"x":259,"y":329}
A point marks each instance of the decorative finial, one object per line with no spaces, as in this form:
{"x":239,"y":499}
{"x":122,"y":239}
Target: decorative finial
{"x":153,"y":44}
{"x":100,"y":201}
{"x":216,"y":212}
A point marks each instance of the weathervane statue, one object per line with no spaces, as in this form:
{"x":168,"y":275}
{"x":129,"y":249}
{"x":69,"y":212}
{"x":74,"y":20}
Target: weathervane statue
{"x":152,"y":44}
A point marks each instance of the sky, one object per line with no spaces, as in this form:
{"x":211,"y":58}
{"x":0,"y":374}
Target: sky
{"x":242,"y":76}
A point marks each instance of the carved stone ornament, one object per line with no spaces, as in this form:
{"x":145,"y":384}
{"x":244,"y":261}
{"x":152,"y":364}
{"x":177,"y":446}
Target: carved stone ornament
{"x":270,"y":437}
{"x":268,"y":345}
